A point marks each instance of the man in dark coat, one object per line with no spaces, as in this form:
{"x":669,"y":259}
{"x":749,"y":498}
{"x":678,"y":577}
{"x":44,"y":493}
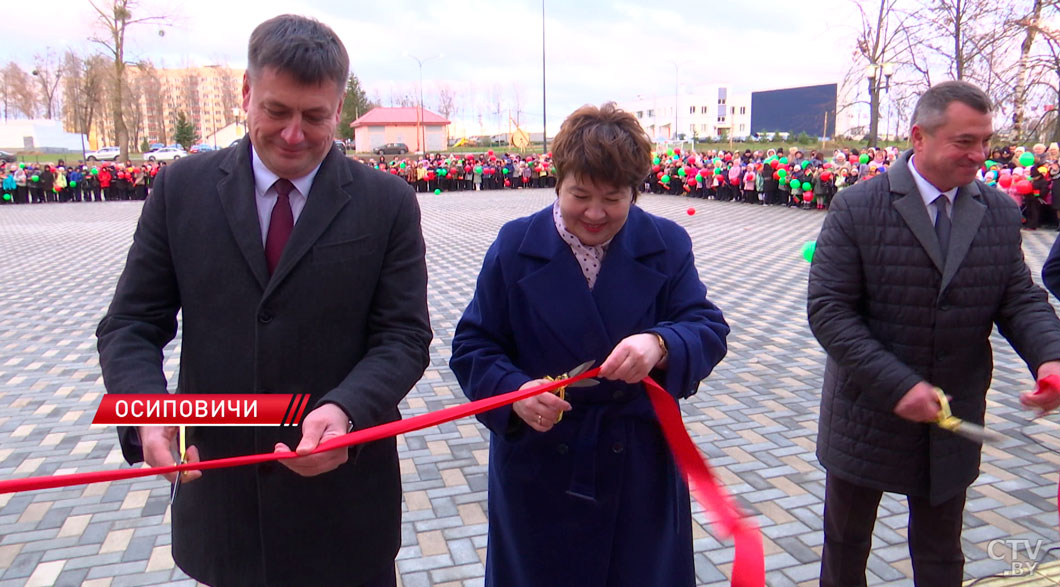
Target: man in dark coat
{"x":297,"y":270}
{"x":911,"y":272}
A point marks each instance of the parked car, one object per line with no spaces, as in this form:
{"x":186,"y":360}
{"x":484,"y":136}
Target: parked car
{"x":104,"y":154}
{"x":167,"y":154}
{"x":154,"y":147}
{"x":201,"y":148}
{"x":391,"y":149}
{"x":8,"y":157}
{"x":341,"y":145}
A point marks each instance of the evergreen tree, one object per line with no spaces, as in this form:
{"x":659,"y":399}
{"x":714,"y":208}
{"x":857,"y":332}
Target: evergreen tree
{"x":184,"y":132}
{"x":355,"y":105}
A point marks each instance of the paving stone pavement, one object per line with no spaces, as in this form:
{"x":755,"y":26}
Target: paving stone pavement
{"x":755,"y":418}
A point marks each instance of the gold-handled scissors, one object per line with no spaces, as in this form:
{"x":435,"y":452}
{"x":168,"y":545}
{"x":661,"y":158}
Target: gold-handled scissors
{"x":947,"y":421}
{"x":561,"y":392}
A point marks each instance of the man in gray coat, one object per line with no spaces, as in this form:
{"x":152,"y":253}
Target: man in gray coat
{"x":912,"y":271}
{"x":296,"y":270}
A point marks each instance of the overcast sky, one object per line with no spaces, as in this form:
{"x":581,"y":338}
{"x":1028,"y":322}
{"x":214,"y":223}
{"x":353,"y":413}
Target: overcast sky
{"x":595,"y":50}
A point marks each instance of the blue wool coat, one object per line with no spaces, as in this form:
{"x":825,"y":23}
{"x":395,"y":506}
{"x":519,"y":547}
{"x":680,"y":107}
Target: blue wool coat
{"x":596,"y":500}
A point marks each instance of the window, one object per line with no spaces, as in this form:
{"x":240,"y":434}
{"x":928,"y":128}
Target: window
{"x":692,"y":128}
{"x":702,"y":109}
{"x":743,"y":109}
{"x":651,"y":114}
{"x":691,"y":109}
{"x":640,"y":114}
{"x":721,"y":119}
{"x":703,"y":128}
{"x":732,"y":110}
{"x":721,"y":101}
{"x":743,"y":127}
{"x":723,"y":93}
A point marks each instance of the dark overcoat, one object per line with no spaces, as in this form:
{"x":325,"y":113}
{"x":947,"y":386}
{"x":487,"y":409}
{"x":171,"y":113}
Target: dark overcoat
{"x":596,"y":500}
{"x":343,"y":318}
{"x":890,"y":310}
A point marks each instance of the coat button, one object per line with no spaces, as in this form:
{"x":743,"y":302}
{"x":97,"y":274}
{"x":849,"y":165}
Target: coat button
{"x":618,"y":395}
{"x":265,"y":317}
{"x":944,"y":307}
{"x":940,"y":356}
{"x":562,"y":449}
{"x":617,"y":448}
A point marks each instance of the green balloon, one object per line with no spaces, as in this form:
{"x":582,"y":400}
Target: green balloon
{"x":95,"y":171}
{"x":805,"y":164}
{"x":717,"y":171}
{"x":35,"y":178}
{"x":990,"y":163}
{"x":437,"y":192}
{"x":665,"y":179}
{"x":73,"y":184}
{"x":794,"y":183}
{"x":681,"y":172}
{"x":656,"y":161}
{"x":505,"y":171}
{"x":863,"y":158}
{"x":782,"y":173}
{"x":442,"y":172}
{"x":783,"y":160}
{"x":478,"y":169}
{"x":7,"y":197}
{"x":670,"y":152}
{"x":806,"y":186}
{"x":402,"y":165}
{"x":1027,"y":159}
{"x":808,"y":249}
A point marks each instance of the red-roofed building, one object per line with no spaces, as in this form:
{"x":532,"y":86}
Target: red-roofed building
{"x":399,"y":125}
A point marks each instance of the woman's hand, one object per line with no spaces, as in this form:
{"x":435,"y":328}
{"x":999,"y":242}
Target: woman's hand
{"x":541,"y":411}
{"x":633,"y":358}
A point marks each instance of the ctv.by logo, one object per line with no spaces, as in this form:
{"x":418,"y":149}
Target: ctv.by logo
{"x":1011,"y":549}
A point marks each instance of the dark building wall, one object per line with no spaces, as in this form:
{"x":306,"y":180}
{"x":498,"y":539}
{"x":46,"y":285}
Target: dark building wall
{"x":795,"y":110}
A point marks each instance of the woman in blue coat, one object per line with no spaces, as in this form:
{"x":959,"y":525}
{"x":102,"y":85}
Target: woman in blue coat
{"x":592,"y":497}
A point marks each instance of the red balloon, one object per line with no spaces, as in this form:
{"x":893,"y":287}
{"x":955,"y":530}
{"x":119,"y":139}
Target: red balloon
{"x":467,"y":169}
{"x":526,"y":180}
{"x":1005,"y":181}
{"x":659,"y":175}
{"x":490,"y":153}
{"x":431,"y":175}
{"x":507,"y":183}
{"x":657,"y":168}
{"x":691,"y":211}
{"x":690,"y":170}
{"x":692,"y":181}
{"x":807,"y":197}
{"x":1024,"y":187}
{"x":826,"y":176}
{"x":677,"y":151}
{"x":774,"y":164}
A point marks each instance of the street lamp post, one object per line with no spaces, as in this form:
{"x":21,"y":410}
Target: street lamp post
{"x":420,"y":139}
{"x":673,"y":135}
{"x":879,"y":77}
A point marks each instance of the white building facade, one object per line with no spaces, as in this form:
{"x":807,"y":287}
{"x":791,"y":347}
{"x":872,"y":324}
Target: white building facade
{"x":710,"y":111}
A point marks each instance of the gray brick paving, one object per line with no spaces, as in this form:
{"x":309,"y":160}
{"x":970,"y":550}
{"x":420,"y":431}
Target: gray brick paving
{"x":755,"y":418}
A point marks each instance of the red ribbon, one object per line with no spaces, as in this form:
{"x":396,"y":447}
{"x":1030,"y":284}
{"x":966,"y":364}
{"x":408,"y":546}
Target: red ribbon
{"x":748,"y":569}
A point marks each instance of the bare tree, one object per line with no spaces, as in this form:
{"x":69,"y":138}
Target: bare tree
{"x":83,"y":90}
{"x":48,"y":69}
{"x":1044,"y":68}
{"x":446,"y":100}
{"x":230,"y":93}
{"x":1030,"y":26}
{"x":883,"y":39}
{"x":18,"y":87}
{"x":154,"y":101}
{"x":133,"y":108}
{"x":115,"y":21}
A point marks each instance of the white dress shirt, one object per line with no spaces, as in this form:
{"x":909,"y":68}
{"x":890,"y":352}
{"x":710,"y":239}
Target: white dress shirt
{"x":265,"y":193}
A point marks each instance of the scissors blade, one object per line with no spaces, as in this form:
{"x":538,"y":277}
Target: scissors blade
{"x":973,"y":432}
{"x":581,"y":368}
{"x":585,"y":383}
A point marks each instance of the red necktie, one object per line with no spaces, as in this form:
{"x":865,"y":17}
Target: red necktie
{"x":280,"y":224}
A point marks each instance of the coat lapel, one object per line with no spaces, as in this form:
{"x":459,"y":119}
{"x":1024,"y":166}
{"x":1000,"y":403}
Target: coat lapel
{"x":626,"y":289}
{"x":326,"y":198}
{"x":558,"y":293}
{"x":911,"y":206}
{"x":968,"y":212}
{"x":236,"y":193}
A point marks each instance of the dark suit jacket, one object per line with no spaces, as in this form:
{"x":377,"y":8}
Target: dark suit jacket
{"x":343,"y":318}
{"x":891,"y":310}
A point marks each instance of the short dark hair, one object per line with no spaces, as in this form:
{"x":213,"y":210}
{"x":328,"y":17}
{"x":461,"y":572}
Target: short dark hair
{"x":303,"y":47}
{"x":605,"y":145}
{"x":930,"y":111}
